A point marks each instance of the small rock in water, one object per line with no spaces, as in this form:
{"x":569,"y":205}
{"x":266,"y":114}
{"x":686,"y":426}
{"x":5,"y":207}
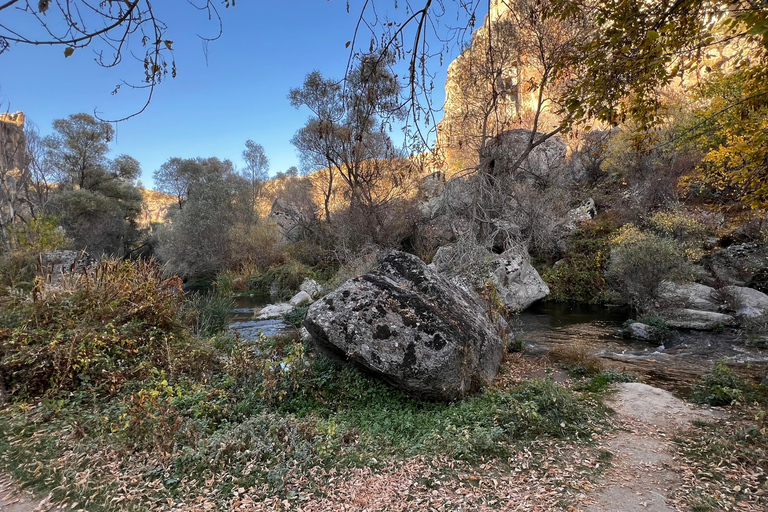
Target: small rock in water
{"x":273,"y":311}
{"x":301,"y":299}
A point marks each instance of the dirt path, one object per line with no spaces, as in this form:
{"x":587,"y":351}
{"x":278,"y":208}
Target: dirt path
{"x":643,"y":476}
{"x":12,"y":499}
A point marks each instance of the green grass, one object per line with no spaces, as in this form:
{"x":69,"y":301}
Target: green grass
{"x":132,"y":409}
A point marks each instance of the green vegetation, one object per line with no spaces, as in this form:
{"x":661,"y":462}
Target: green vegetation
{"x":106,"y":372}
{"x":723,"y":386}
{"x":579,"y":275}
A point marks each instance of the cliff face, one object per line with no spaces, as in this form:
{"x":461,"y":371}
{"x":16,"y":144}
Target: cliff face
{"x":484,"y":91}
{"x":155,"y":208}
{"x":12,"y":142}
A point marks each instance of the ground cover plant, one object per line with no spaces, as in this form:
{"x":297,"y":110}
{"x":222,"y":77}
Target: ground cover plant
{"x":115,"y":405}
{"x":726,"y":462}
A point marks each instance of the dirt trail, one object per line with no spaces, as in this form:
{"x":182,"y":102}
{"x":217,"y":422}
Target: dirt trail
{"x":643,"y":476}
{"x":12,"y":499}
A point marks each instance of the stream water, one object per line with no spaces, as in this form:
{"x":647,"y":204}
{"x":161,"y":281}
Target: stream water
{"x":682,"y":358}
{"x":243,"y":323}
{"x":544,"y":326}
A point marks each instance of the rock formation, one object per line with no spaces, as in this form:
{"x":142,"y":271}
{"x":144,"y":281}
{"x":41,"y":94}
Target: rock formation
{"x":408,"y":325}
{"x":516,"y":284}
{"x":12,"y":142}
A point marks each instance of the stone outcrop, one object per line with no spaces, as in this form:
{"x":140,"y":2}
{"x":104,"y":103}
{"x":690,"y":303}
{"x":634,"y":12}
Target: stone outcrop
{"x":13,"y":150}
{"x":289,"y":219}
{"x":689,"y":296}
{"x":583,"y":213}
{"x":507,"y":148}
{"x":740,"y":265}
{"x":697,"y":320}
{"x":516,"y":283}
{"x":747,"y":302}
{"x":410,"y":326}
{"x":55,"y":263}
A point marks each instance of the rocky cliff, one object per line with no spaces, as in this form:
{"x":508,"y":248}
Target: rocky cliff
{"x":12,"y":141}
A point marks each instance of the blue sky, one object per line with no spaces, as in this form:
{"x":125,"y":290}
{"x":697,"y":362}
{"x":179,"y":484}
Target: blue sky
{"x":233,"y":92}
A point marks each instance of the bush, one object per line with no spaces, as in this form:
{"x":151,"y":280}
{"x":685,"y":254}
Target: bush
{"x":639,"y":263}
{"x":722,"y":386}
{"x":579,"y":275}
{"x":208,"y":313}
{"x":99,"y":329}
{"x":682,"y":227}
{"x":279,"y":283}
{"x":577,"y":358}
{"x":296,"y":316}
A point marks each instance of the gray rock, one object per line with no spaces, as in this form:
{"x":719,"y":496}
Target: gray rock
{"x":583,"y":213}
{"x":301,"y":299}
{"x":747,"y":302}
{"x":740,"y":265}
{"x":312,"y":287}
{"x":688,"y":295}
{"x":503,"y":151}
{"x":274,"y":311}
{"x":407,"y":324}
{"x":289,"y":218}
{"x":639,"y":331}
{"x":697,"y":320}
{"x":516,"y":282}
{"x":56,"y":263}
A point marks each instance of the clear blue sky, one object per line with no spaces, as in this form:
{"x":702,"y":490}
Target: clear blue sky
{"x":216,"y":103}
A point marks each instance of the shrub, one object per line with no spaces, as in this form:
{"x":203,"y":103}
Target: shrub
{"x":579,"y":275}
{"x":722,"y":386}
{"x":208,"y":313}
{"x":682,"y":227}
{"x":577,"y":358}
{"x":97,"y":329}
{"x":639,"y":263}
{"x":296,"y":316}
{"x":279,"y":283}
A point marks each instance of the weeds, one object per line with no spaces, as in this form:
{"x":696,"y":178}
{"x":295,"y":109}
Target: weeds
{"x":208,"y":313}
{"x":722,"y":386}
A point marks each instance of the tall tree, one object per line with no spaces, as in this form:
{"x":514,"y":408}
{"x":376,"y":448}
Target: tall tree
{"x":256,"y":168}
{"x":97,"y":199}
{"x":346,"y":133}
{"x":196,"y":240}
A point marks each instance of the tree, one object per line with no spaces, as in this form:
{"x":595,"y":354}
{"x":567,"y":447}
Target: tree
{"x":196,"y":241}
{"x":345,"y":137}
{"x":256,"y":168}
{"x":114,"y":29}
{"x":96,"y":199}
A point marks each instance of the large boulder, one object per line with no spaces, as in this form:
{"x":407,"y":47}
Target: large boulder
{"x":697,"y":320}
{"x":507,"y":148}
{"x":516,"y":283}
{"x":740,"y":265}
{"x":688,"y":295}
{"x":747,"y":302}
{"x":56,"y":263}
{"x":410,"y":326}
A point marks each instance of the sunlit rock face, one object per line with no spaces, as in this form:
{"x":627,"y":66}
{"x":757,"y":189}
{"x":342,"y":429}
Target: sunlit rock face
{"x":12,"y":141}
{"x":411,"y":327}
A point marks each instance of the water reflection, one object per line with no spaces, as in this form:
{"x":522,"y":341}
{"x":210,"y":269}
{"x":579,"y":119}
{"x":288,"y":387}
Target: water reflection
{"x":249,"y":329}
